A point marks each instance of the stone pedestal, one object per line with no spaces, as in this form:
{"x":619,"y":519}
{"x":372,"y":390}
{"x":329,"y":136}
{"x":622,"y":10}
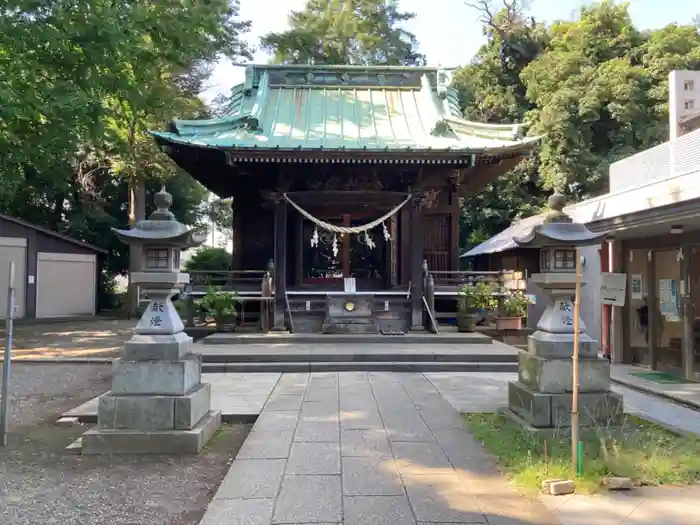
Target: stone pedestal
{"x":158,"y":404}
{"x":350,"y":314}
{"x":542,"y":396}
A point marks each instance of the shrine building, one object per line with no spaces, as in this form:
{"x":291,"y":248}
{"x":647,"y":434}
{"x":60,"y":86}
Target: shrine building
{"x":347,"y":178}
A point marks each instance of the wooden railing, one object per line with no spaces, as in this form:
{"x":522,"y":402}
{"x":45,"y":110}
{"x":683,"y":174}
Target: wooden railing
{"x":227,"y":280}
{"x":254,"y":286}
{"x":446,"y":284}
{"x":507,"y":280}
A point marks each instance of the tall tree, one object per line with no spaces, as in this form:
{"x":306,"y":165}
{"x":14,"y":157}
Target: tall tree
{"x":591,"y":98}
{"x":81,"y":82}
{"x":362,"y":32}
{"x":491,"y":91}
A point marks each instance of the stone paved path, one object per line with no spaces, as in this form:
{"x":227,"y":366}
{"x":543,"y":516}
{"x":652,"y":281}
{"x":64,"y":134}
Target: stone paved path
{"x":358,"y":448}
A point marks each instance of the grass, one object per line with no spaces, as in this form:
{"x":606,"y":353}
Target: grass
{"x":642,"y":451}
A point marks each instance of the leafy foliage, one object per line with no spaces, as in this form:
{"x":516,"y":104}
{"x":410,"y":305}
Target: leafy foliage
{"x":645,"y":452}
{"x":209,"y":259}
{"x":474,"y":297}
{"x":362,"y":32}
{"x":595,"y":87}
{"x":81,"y":82}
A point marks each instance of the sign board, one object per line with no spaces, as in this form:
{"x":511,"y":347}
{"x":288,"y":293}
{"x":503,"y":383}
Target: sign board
{"x":636,"y":286}
{"x":668,"y":299}
{"x":612,"y":288}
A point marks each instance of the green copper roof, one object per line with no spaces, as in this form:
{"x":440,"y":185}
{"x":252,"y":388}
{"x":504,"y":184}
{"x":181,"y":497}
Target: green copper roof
{"x":346,"y":108}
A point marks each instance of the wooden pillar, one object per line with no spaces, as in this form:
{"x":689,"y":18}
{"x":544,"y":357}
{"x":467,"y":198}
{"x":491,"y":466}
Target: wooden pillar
{"x":299,"y":270}
{"x":416,"y":263}
{"x":454,"y":231}
{"x":393,"y":262}
{"x":616,"y":312}
{"x":456,"y":179}
{"x":687,"y":316}
{"x":346,"y":247}
{"x":654,"y":315}
{"x":236,"y":238}
{"x":280,"y":300}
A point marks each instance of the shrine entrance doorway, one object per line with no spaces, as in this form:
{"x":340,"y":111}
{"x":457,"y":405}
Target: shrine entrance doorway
{"x":328,"y":257}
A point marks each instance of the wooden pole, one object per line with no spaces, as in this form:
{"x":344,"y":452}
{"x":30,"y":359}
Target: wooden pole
{"x":574,"y":399}
{"x":5,"y":401}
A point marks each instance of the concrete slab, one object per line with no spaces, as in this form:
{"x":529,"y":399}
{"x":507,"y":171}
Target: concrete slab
{"x":377,"y":510}
{"x":309,"y":499}
{"x":393,"y":473}
{"x":446,"y":337}
{"x":252,"y":478}
{"x":356,"y":351}
{"x":108,"y":441}
{"x":477,"y":392}
{"x":239,"y":397}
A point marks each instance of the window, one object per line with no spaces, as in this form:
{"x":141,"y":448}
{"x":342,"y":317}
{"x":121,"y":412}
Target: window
{"x":157,"y":259}
{"x":689,"y":104}
{"x":564,"y":259}
{"x":176,"y":260}
{"x":688,"y":85}
{"x":544,"y":260}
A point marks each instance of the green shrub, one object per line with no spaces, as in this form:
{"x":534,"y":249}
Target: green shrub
{"x":515,"y":305}
{"x":473,"y":297}
{"x":209,"y":259}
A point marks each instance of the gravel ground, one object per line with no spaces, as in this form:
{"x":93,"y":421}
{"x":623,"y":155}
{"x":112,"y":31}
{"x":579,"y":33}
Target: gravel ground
{"x":41,"y":484}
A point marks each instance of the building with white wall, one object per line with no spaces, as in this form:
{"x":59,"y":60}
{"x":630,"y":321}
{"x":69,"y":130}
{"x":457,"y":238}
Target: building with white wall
{"x":652,"y":213}
{"x":684,"y":102}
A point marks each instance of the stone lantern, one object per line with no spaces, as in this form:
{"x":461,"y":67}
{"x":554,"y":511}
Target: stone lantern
{"x":542,"y":396}
{"x":157,"y":404}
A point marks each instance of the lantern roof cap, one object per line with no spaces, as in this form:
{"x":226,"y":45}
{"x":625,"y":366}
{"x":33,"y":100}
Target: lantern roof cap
{"x":558,"y":229}
{"x":161,"y":227}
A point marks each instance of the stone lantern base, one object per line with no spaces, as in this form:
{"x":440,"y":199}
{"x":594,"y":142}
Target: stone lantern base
{"x":542,"y":396}
{"x":158,"y":404}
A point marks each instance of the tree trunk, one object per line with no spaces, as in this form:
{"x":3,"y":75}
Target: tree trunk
{"x":137,"y":212}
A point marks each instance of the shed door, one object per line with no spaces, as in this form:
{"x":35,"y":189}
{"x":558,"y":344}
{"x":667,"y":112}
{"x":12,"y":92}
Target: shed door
{"x":13,"y":249}
{"x":65,"y":284}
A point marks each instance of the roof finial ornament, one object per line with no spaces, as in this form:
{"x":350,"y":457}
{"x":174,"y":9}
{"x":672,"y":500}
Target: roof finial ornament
{"x":163,"y":200}
{"x":556,"y":203}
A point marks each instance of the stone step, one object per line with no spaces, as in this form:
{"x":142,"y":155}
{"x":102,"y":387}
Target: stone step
{"x":360,"y":366}
{"x":320,"y":356}
{"x":450,"y":338}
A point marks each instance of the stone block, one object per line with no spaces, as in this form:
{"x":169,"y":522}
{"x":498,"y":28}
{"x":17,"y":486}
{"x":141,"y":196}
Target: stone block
{"x":534,"y":408}
{"x":555,"y":376}
{"x":157,"y":347}
{"x":68,"y":422}
{"x":160,"y":317}
{"x":191,"y":408}
{"x":76,"y":447}
{"x":114,"y":441}
{"x":596,"y":409}
{"x":542,"y":410}
{"x":561,"y":487}
{"x":174,"y":378}
{"x":544,"y":344}
{"x":136,"y":412}
{"x":617,"y":483}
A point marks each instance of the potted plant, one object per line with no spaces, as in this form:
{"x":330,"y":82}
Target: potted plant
{"x":472,"y":298}
{"x":514,"y":308}
{"x":221,"y":306}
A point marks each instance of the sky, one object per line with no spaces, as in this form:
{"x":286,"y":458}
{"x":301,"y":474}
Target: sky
{"x":448,"y":31}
